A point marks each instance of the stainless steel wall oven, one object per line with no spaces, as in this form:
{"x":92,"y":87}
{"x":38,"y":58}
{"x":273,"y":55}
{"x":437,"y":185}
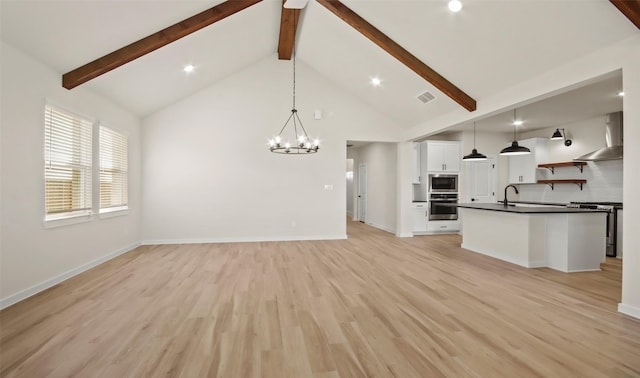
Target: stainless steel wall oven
{"x":442,"y":206}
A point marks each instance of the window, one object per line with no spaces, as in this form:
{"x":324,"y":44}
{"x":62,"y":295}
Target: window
{"x":71,"y":167}
{"x":113,"y":170}
{"x":67,"y":164}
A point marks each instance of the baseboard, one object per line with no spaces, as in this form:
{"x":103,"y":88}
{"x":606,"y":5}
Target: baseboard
{"x":243,"y":239}
{"x":538,"y":264}
{"x":24,"y":294}
{"x":383,"y":228}
{"x":509,"y":259}
{"x":579,"y":270}
{"x":629,"y":310}
{"x":404,"y":234}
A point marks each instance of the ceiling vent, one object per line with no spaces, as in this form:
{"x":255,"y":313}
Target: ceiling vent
{"x":426,"y":97}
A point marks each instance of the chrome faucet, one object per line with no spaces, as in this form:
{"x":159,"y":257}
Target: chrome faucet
{"x":506,"y":202}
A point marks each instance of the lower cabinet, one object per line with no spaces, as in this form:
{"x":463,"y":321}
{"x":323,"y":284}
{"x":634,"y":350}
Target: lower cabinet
{"x":443,"y":226}
{"x":420,"y":217}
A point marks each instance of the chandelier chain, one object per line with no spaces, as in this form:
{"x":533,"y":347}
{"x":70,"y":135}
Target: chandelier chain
{"x":293,"y":52}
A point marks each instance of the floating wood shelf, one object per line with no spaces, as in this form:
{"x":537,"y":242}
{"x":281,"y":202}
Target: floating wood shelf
{"x":578,"y":182}
{"x":551,"y":166}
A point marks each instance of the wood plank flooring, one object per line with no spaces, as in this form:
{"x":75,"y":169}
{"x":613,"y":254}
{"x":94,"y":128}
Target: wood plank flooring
{"x":370,"y":306}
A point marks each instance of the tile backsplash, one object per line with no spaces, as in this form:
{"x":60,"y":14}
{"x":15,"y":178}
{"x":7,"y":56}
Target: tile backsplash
{"x":604,"y":183}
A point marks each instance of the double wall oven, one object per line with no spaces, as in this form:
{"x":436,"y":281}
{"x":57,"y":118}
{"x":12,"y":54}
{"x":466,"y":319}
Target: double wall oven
{"x":443,"y":197}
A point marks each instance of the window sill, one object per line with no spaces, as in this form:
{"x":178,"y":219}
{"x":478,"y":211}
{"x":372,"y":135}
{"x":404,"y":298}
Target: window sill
{"x":66,"y":220}
{"x":115,"y":212}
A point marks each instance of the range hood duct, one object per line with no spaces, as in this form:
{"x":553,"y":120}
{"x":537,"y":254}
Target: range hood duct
{"x":613,"y":136}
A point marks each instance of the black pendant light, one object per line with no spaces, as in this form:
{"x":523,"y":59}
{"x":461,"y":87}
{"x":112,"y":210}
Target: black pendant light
{"x":474,"y":155}
{"x":515,"y":148}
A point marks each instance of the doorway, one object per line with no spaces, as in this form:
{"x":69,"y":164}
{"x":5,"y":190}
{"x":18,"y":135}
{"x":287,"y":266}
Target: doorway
{"x":482,"y":181}
{"x":362,"y":193}
{"x":350,"y":190}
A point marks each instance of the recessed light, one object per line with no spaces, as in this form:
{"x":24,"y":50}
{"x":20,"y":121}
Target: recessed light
{"x":455,"y":5}
{"x":621,"y":94}
{"x":376,"y":82}
{"x":188,"y":68}
{"x":517,"y":123}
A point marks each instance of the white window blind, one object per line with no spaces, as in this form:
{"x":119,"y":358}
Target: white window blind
{"x":67,"y":164}
{"x":113,"y":170}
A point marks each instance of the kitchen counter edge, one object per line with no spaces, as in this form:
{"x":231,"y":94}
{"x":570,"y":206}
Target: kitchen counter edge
{"x":526,"y":209}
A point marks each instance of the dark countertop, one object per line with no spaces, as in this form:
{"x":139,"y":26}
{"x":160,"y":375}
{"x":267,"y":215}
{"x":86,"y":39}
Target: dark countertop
{"x":540,"y":203}
{"x":525,"y":209}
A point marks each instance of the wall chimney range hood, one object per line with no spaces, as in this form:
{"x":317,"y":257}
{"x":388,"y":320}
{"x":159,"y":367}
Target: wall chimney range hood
{"x":614,"y":140}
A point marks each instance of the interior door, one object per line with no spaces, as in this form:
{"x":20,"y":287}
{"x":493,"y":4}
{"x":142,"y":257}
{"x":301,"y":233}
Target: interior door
{"x":482,"y":181}
{"x":362,"y":192}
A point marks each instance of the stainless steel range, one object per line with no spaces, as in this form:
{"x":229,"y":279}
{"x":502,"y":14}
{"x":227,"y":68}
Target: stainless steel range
{"x":612,"y":221}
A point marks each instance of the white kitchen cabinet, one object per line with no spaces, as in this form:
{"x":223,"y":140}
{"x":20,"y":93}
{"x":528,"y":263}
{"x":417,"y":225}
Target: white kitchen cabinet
{"x":443,"y":156}
{"x":416,"y":171}
{"x":420,"y":215}
{"x":443,"y":226}
{"x":523,"y":169}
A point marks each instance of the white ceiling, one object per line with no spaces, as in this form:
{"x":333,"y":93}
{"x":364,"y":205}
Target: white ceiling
{"x":591,"y":99}
{"x":487,"y":47}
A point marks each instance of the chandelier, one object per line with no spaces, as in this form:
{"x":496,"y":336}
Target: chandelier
{"x":281,"y":143}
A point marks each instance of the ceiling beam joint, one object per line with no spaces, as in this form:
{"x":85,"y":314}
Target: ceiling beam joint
{"x":630,"y":8}
{"x":288,"y":29}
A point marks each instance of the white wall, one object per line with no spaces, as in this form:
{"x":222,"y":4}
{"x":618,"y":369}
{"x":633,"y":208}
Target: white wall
{"x":631,"y":237}
{"x":381,"y":161}
{"x":208,"y":174}
{"x":586,"y":136}
{"x":32,"y":257}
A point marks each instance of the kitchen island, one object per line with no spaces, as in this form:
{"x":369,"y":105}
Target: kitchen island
{"x":565,"y":239}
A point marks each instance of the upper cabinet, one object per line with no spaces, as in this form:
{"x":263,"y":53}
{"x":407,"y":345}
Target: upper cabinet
{"x":415,"y":172}
{"x":523,"y":169}
{"x":443,"y":156}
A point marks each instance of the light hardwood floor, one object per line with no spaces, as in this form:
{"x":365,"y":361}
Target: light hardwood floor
{"x":371,"y":306}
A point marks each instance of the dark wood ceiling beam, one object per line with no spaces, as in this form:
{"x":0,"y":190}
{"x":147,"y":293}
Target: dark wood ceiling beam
{"x":153,"y":42}
{"x":397,"y":51}
{"x":288,"y":29}
{"x":630,"y":8}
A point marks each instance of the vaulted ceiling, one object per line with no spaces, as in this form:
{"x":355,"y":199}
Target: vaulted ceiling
{"x":487,"y":47}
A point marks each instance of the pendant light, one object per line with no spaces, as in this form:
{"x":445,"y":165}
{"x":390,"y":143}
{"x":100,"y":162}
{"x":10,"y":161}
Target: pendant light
{"x":514,"y":148}
{"x":302,"y":145}
{"x":474,"y":155}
